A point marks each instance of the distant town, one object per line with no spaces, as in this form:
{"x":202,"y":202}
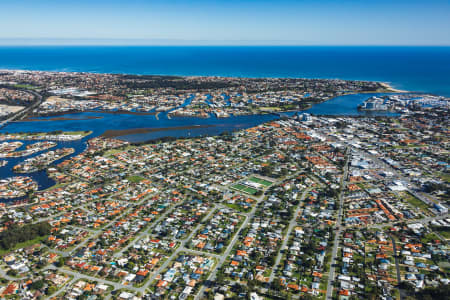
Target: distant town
{"x":219,"y":96}
{"x":301,"y":207}
{"x":403,"y":103}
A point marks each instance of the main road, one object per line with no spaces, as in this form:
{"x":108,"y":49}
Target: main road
{"x":339,"y":230}
{"x":292,"y":223}
{"x":25,"y":110}
{"x":397,"y":267}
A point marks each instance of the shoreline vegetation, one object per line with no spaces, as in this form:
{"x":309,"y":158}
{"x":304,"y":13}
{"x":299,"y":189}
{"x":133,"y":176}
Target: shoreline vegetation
{"x":21,"y":135}
{"x":122,"y":132}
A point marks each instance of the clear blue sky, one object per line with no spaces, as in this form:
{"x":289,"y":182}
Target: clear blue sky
{"x":229,"y":22}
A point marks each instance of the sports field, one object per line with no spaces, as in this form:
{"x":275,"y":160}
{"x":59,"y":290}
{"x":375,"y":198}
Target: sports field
{"x":244,"y":189}
{"x":264,"y":182}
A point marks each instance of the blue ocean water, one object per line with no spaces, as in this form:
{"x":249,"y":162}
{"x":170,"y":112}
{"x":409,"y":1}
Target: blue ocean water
{"x":424,"y":69}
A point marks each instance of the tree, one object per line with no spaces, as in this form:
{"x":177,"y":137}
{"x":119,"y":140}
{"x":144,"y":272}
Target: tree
{"x":220,"y":278}
{"x":441,"y":292}
{"x":17,"y":234}
{"x":276,"y":285}
{"x":37,"y":285}
{"x":51,"y":290}
{"x":130,"y":265}
{"x":61,"y":261}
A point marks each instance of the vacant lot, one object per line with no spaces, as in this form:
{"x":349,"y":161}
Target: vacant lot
{"x":416,"y":202}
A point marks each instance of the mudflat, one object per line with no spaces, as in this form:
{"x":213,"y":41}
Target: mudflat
{"x":122,"y":132}
{"x":58,"y":119}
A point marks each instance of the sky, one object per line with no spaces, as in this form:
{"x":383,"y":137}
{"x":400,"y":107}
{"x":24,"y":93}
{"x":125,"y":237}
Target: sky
{"x":228,"y":22}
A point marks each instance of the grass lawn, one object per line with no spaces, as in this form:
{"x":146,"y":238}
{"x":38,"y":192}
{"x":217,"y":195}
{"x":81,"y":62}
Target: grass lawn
{"x":408,"y":146}
{"x":270,"y":108}
{"x":83,"y":133}
{"x":238,"y":207}
{"x":56,"y":186}
{"x":264,"y":182}
{"x":244,"y":189}
{"x":415,"y":202}
{"x":25,"y":86}
{"x":135,"y":179}
{"x":429,"y":237}
{"x":444,"y":232}
{"x":117,"y":150}
{"x":112,"y":152}
{"x":444,"y":176}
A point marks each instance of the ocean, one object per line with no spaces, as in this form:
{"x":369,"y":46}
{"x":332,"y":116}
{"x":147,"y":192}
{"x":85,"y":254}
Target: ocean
{"x":421,"y":69}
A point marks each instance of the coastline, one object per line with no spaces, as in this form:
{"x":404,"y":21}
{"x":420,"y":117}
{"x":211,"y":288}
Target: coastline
{"x":385,"y":84}
{"x":391,"y":89}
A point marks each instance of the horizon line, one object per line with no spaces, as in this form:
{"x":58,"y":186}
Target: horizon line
{"x":19,"y":41}
{"x":225,"y":45}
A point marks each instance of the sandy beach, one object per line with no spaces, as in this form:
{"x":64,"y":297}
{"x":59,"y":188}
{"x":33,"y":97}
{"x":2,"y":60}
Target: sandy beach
{"x":390,"y":88}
